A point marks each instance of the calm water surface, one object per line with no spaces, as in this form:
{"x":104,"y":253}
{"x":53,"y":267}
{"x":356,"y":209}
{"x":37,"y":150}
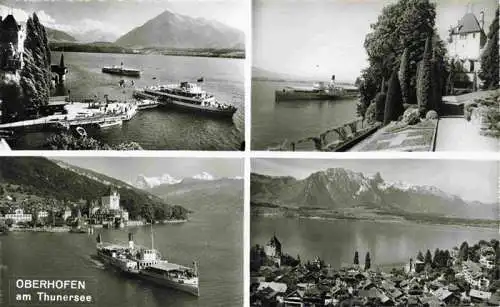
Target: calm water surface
{"x":158,"y":129}
{"x":273,"y":122}
{"x":336,"y":241}
{"x":212,"y":237}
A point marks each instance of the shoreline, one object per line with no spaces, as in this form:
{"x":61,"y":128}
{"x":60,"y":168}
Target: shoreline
{"x":402,"y":220}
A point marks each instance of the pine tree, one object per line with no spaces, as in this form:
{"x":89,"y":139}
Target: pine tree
{"x":368,"y":263}
{"x":403,"y":76}
{"x":489,"y":58}
{"x":356,"y":258}
{"x":428,"y":257}
{"x":420,"y":256}
{"x":393,"y":102}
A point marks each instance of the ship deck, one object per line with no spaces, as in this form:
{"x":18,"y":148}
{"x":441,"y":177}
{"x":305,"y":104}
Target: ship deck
{"x":167,"y":266}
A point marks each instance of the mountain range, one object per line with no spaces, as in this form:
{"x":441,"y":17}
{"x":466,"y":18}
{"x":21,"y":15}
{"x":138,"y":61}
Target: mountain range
{"x":55,"y":179}
{"x":172,"y":30}
{"x":147,"y":183}
{"x":341,"y":189}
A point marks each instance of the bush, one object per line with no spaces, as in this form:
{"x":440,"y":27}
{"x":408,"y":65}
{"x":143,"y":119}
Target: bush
{"x":431,"y":115}
{"x":370,"y":114}
{"x":394,"y":102}
{"x":411,"y":116}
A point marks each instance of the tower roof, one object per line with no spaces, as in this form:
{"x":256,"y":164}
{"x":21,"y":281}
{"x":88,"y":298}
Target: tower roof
{"x":274,"y":241}
{"x":9,"y":23}
{"x":468,"y":24}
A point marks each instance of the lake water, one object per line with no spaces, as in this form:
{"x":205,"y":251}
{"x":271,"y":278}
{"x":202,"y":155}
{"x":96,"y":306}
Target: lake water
{"x":158,"y":129}
{"x":212,"y":237}
{"x":336,"y":241}
{"x":273,"y":122}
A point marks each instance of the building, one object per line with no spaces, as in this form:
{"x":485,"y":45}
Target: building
{"x":11,"y":44}
{"x":66,"y":213}
{"x":42,"y":214}
{"x":19,"y":216}
{"x":273,"y":247}
{"x":111,"y":201}
{"x":466,"y":43}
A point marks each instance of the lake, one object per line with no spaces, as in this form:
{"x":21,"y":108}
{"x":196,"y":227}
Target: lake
{"x":212,"y":237}
{"x":158,"y":129}
{"x":273,"y":122}
{"x":335,"y":241}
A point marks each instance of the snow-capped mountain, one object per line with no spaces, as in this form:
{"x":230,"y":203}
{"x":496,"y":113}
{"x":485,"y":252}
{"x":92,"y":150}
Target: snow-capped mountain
{"x":204,"y":176}
{"x":338,"y":188}
{"x":143,"y":182}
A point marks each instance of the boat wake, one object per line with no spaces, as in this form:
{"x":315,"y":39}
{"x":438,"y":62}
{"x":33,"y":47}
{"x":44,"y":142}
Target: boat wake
{"x":97,"y":264}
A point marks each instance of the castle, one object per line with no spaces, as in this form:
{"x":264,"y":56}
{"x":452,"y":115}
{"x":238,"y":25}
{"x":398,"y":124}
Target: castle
{"x":12,"y":37}
{"x":466,"y":42}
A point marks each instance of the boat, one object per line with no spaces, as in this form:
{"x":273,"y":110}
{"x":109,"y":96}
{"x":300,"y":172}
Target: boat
{"x":190,"y":97}
{"x":122,"y":71}
{"x":147,"y":264}
{"x":107,"y":123}
{"x":319,"y":91}
{"x":78,"y":230}
{"x":143,"y":104}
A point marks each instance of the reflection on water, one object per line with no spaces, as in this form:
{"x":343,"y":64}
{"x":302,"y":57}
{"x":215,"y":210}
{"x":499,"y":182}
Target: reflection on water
{"x":336,"y":241}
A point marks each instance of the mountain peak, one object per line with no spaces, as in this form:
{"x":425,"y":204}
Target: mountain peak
{"x":173,"y":30}
{"x":204,"y":176}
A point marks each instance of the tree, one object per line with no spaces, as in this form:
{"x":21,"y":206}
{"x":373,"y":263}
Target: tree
{"x":356,"y":258}
{"x":394,"y":102}
{"x":404,"y":77}
{"x":367,"y":261}
{"x":420,"y":256}
{"x":428,"y":257}
{"x":405,"y":24}
{"x":489,"y":58}
{"x":380,"y":106}
{"x":464,"y":251}
{"x":9,"y":222}
{"x":424,"y":79}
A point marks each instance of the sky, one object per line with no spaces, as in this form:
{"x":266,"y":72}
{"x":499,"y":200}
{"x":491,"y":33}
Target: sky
{"x":318,"y":38}
{"x":120,"y":16}
{"x":471,"y":180}
{"x":129,"y":168}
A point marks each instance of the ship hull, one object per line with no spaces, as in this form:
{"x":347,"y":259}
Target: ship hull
{"x":167,"y":100}
{"x":191,"y":289}
{"x":294,"y":96}
{"x":120,"y":72}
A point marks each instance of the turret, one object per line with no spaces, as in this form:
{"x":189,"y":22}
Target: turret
{"x":130,"y":240}
{"x":481,"y":20}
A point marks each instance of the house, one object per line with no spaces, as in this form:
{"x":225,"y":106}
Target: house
{"x":18,"y":216}
{"x":479,"y":296}
{"x":466,"y":42}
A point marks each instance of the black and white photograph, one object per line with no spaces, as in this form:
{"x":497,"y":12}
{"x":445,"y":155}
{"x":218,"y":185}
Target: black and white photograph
{"x":374,"y":232}
{"x":122,"y":75}
{"x":89,"y":231}
{"x":399,"y":75}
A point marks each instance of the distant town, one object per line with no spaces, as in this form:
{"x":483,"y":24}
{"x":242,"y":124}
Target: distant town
{"x":467,"y":275}
{"x":31,"y":214}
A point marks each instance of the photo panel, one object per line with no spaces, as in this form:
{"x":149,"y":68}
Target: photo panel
{"x":89,"y":231}
{"x":123,"y":75}
{"x":340,"y":75}
{"x":374,"y":232}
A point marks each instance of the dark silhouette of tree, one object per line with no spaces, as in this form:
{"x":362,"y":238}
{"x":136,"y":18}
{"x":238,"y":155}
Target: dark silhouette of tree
{"x":420,"y":256}
{"x":424,"y":79}
{"x":489,"y":58}
{"x":368,"y":263}
{"x":464,"y":251}
{"x":380,"y":106}
{"x":428,"y":257}
{"x":356,"y":258}
{"x":394,"y":102}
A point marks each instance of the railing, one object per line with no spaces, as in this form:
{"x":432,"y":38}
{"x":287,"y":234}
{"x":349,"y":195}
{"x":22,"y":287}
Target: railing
{"x":334,"y":139}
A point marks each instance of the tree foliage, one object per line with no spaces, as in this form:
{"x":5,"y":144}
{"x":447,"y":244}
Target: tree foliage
{"x":424,"y":79}
{"x":397,"y":42}
{"x":489,"y":58}
{"x":356,"y":258}
{"x":379,"y":102}
{"x":394,"y":101}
